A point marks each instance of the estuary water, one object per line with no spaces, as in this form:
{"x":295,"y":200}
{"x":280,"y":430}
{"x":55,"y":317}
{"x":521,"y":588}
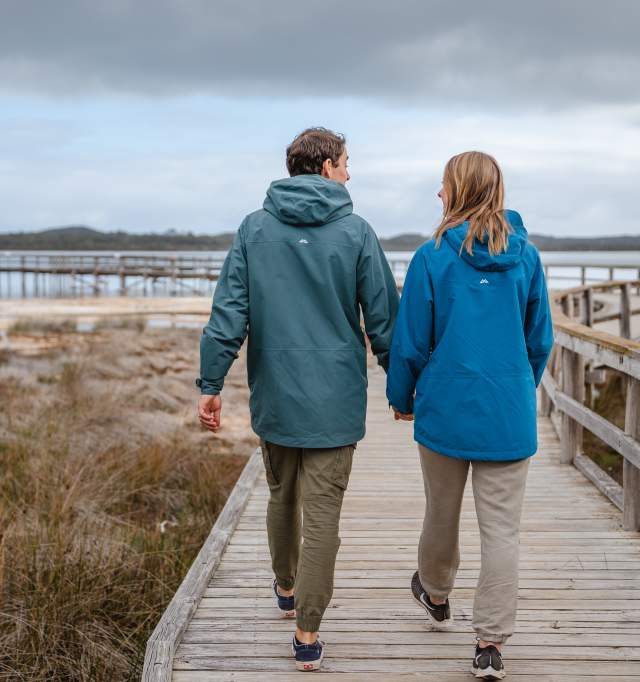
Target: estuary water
{"x":563,"y":268}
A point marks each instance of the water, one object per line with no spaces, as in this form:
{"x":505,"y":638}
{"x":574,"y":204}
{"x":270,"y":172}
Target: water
{"x":563,"y":271}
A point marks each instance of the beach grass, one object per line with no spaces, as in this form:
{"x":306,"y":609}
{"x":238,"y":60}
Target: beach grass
{"x":101,"y":513}
{"x":35,"y":325}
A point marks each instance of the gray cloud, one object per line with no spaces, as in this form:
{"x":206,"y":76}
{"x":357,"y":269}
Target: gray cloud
{"x":498,"y":54}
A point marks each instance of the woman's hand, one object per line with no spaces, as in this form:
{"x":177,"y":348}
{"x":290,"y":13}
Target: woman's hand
{"x":404,"y":417}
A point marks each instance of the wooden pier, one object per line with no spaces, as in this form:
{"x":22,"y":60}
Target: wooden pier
{"x":579,"y":597}
{"x":27,"y":275}
{"x":81,"y":274}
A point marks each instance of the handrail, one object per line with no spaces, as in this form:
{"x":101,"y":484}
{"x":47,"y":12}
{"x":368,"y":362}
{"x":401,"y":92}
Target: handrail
{"x":578,"y":351}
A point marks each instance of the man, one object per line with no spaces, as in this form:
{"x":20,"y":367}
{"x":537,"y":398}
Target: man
{"x":298,"y":274}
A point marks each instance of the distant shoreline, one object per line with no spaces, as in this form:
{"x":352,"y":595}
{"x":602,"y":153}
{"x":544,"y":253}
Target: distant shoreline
{"x":80,"y":238}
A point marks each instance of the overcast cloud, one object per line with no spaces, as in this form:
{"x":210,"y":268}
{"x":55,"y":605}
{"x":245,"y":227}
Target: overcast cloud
{"x":550,"y":52}
{"x":149,"y":115}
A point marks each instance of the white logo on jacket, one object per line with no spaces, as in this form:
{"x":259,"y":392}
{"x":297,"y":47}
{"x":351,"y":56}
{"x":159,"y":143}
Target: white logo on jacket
{"x":302,"y":241}
{"x":484,"y":281}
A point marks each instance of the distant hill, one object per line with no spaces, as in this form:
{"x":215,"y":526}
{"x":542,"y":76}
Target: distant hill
{"x":410,"y":242}
{"x":81,"y":238}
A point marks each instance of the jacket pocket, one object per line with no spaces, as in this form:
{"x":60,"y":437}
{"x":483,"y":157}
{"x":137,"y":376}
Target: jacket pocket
{"x":342,"y":467}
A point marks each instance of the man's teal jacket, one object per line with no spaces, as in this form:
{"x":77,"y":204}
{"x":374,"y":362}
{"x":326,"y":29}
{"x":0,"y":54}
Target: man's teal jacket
{"x":471,"y":341}
{"x":297,"y":277}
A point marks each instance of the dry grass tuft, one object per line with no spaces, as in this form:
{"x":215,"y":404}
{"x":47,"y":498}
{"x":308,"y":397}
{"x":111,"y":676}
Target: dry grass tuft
{"x":33,"y":325}
{"x":100,"y":514}
{"x":134,"y":322}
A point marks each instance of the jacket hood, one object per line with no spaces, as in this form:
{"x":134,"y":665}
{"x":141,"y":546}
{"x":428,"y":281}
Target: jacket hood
{"x":482,"y":259}
{"x":307,"y":200}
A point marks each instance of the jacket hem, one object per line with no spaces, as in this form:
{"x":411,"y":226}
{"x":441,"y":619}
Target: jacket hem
{"x":290,"y":441}
{"x":477,"y":456}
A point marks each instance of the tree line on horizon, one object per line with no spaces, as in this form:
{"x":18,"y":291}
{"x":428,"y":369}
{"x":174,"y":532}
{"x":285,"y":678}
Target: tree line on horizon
{"x":81,"y":238}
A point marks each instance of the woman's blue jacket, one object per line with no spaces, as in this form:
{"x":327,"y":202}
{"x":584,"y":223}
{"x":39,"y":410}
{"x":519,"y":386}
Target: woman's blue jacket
{"x":471,"y":341}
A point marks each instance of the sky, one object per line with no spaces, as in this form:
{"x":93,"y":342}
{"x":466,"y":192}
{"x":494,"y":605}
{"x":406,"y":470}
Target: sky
{"x":153,"y":115}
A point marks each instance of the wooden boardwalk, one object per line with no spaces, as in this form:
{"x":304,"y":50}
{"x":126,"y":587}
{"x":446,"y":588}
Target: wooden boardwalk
{"x":579,"y":605}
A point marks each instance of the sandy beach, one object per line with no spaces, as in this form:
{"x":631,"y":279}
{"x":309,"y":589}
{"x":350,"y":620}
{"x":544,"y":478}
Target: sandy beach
{"x":187,"y":310}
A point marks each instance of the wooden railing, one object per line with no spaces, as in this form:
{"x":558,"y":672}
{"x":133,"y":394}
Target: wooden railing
{"x":25,"y":274}
{"x":40,"y":274}
{"x":581,"y":357}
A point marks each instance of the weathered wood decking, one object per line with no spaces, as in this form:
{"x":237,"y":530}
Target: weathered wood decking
{"x":579,"y":607}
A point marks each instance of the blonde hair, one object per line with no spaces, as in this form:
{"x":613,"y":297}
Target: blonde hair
{"x":474,"y":191}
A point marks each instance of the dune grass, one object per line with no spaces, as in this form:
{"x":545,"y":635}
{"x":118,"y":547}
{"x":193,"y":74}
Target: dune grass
{"x":32,"y":325}
{"x":99,"y":520}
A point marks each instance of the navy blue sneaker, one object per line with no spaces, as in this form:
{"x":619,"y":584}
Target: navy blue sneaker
{"x":285,"y":604}
{"x":308,"y":656}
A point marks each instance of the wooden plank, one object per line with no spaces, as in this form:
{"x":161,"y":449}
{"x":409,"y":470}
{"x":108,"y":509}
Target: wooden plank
{"x":624,"y":443}
{"x":372,"y":676}
{"x":604,"y":349}
{"x":600,"y":478}
{"x":412,"y":651}
{"x":281,"y":664}
{"x":168,"y":632}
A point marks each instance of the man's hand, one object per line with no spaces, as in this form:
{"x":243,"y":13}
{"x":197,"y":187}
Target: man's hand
{"x":209,"y":407}
{"x":404,"y":417}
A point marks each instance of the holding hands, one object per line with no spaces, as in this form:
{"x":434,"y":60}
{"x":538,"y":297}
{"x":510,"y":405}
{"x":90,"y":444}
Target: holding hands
{"x":404,"y":417}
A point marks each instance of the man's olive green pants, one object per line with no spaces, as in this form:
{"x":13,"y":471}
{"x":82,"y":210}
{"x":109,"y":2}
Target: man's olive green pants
{"x":306,"y":490}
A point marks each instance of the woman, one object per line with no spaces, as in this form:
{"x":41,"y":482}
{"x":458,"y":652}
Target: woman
{"x":471,"y":341}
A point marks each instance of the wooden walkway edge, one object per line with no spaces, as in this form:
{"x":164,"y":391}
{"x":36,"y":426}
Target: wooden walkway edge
{"x":579,"y":597}
{"x":170,"y":629}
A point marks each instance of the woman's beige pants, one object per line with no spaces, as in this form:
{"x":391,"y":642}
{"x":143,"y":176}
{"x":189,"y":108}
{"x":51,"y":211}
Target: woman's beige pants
{"x":498,"y":491}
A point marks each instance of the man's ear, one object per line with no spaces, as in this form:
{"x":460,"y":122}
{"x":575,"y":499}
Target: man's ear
{"x":327,"y":167}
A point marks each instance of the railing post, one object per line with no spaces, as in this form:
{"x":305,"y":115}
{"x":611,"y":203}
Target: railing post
{"x":122,"y":275}
{"x":573,"y":386}
{"x":588,"y":307}
{"x":23,"y":269}
{"x":625,"y":310}
{"x":583,"y":275}
{"x":578,"y":302}
{"x":631,"y":473}
{"x":545,"y":400}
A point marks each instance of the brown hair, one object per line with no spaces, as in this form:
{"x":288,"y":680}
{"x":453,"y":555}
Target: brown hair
{"x":474,"y":191}
{"x":310,"y":149}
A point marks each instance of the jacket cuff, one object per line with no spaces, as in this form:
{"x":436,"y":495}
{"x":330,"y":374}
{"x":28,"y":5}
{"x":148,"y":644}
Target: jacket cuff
{"x":404,"y":407}
{"x":208,"y":387}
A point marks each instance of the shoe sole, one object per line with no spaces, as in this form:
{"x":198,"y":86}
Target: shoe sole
{"x":287,"y":614}
{"x":309,"y":666}
{"x":438,"y":624}
{"x":284,"y":613}
{"x":488,"y":674}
